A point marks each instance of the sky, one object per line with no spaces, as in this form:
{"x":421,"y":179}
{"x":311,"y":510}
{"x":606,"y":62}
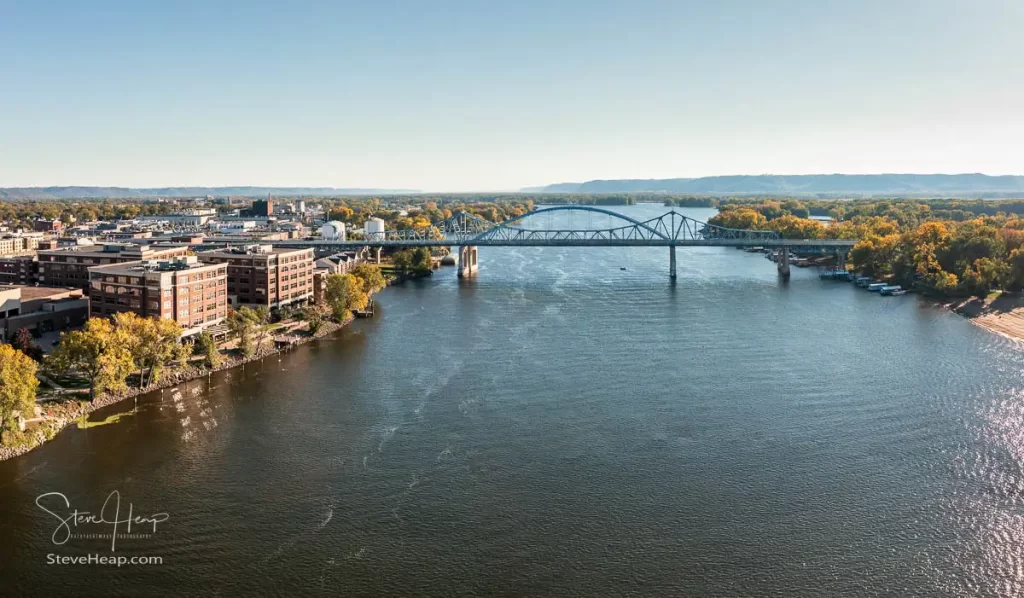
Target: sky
{"x":447,"y":95}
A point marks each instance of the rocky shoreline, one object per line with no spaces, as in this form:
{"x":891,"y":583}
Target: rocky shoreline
{"x":71,"y":411}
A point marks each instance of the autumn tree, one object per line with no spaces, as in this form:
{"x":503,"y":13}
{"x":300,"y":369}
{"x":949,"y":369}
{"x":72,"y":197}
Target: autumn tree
{"x":18,"y":384}
{"x":741,"y":218}
{"x":791,"y":227}
{"x":373,"y":279}
{"x":98,"y":352}
{"x":24,"y":342}
{"x":344,"y":294}
{"x":983,"y":275}
{"x":152,"y":343}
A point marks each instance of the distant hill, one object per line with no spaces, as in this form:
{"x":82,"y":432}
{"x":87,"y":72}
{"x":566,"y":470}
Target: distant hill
{"x":98,"y":192}
{"x":859,"y":184}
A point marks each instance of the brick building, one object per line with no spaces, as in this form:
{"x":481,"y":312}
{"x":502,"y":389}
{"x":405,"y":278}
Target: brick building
{"x":262,"y":275}
{"x":45,"y":225}
{"x":21,"y":269}
{"x":182,"y":289}
{"x":69,"y":267}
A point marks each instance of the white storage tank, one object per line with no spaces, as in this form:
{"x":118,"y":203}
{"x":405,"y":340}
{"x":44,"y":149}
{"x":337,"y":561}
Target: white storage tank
{"x":374,"y":228}
{"x":333,"y":231}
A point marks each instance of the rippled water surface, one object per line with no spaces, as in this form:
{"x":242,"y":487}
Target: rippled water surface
{"x":560,"y":426}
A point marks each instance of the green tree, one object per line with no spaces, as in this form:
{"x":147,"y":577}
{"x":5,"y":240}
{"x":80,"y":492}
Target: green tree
{"x":344,"y":294}
{"x":402,"y":261}
{"x":983,"y":275}
{"x":242,"y":324}
{"x":206,"y":346}
{"x":421,"y":261}
{"x":315,"y":318}
{"x":18,"y":384}
{"x":1016,"y":263}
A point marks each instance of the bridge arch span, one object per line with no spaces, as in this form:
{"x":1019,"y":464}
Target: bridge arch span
{"x":626,"y":220}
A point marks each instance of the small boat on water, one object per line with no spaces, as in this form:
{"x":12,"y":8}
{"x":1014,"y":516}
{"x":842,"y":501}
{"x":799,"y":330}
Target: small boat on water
{"x":876,"y":287}
{"x":890,"y":289}
{"x":622,"y":268}
{"x":899,"y":292}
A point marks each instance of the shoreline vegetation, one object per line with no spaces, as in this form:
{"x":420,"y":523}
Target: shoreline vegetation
{"x":967,"y":255}
{"x":102,"y":358}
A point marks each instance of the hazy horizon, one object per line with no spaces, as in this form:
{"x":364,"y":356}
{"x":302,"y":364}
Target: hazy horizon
{"x":463,"y":96}
{"x":380,"y":188}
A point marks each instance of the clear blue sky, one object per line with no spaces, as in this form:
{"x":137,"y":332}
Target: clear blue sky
{"x":464,"y":95}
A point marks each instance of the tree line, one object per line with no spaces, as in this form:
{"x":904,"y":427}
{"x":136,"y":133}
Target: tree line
{"x":937,"y":251}
{"x":108,"y":352}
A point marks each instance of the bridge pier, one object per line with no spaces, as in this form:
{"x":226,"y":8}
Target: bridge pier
{"x":784,"y":263}
{"x":367,"y":251}
{"x":841,"y":260}
{"x":467,"y":260}
{"x":672,"y":262}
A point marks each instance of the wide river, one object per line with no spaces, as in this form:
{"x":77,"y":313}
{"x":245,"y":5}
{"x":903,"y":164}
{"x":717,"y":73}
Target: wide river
{"x":562,"y":426}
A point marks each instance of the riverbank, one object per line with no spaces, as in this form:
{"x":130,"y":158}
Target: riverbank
{"x":1003,"y":315}
{"x":63,"y":413}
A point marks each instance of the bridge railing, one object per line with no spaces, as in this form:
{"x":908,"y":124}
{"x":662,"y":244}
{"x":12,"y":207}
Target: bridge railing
{"x":464,"y":228}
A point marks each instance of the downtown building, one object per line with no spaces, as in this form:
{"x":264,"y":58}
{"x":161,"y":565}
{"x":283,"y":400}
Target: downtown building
{"x":183,"y":289}
{"x":266,"y":276}
{"x":69,"y":266}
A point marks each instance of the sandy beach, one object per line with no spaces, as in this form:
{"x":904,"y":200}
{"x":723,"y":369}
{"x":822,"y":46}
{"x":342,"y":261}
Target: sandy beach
{"x":1004,"y":315}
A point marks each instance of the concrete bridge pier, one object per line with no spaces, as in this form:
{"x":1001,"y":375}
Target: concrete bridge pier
{"x":672,"y":262}
{"x":841,"y":260}
{"x":467,"y":261}
{"x":368,"y":253}
{"x":784,"y":263}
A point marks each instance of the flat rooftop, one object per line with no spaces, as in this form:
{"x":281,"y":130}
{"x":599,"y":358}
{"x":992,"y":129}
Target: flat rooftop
{"x":34,"y":293}
{"x":242,"y":252}
{"x":114,"y":248}
{"x":140,"y":267}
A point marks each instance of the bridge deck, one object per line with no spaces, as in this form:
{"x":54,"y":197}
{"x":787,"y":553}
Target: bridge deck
{"x":794,"y":244}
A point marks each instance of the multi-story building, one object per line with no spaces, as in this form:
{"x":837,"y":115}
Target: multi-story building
{"x":262,"y":275}
{"x":69,"y":266}
{"x":40,"y":309}
{"x":182,"y":289}
{"x":261,"y":207}
{"x":20,"y":244}
{"x":20,"y":269}
{"x":45,"y":225}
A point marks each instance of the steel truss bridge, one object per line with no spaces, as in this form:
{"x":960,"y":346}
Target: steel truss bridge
{"x":671,"y":229}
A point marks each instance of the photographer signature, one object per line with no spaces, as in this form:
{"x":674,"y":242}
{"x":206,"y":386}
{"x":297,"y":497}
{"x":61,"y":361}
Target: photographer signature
{"x":109,"y":515}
